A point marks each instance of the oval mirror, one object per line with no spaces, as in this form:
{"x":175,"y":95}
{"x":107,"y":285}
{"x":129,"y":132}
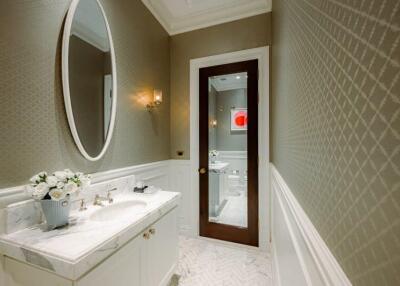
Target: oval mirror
{"x":89,"y":77}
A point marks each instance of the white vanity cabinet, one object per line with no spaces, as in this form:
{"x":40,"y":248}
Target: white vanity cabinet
{"x":149,"y":259}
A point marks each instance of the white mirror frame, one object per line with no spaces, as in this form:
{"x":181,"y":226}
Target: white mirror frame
{"x":65,"y":82}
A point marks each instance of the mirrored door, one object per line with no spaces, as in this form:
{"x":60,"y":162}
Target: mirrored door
{"x":228,"y":152}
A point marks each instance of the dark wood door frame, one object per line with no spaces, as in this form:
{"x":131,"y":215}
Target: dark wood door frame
{"x":231,"y":233}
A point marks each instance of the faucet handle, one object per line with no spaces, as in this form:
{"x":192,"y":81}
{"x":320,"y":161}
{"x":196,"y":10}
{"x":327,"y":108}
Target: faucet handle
{"x":83,"y":205}
{"x":109,"y":198}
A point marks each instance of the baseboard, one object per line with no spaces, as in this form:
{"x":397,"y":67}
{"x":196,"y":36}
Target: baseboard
{"x":2,"y":272}
{"x":300,"y":255}
{"x":167,"y":279}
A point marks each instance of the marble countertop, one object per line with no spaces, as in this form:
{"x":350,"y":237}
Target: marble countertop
{"x":72,"y":251}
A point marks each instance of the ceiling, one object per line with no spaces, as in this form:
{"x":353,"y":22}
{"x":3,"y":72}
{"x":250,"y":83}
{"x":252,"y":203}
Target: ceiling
{"x":178,"y":16}
{"x":229,"y":82}
{"x":88,"y":24}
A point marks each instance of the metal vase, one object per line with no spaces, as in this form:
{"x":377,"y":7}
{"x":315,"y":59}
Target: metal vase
{"x":56,"y":212}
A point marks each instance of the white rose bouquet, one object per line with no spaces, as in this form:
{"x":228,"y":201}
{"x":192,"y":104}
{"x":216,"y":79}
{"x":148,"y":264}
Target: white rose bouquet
{"x":57,"y":186}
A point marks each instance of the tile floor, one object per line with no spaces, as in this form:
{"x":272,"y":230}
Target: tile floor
{"x":204,"y":262}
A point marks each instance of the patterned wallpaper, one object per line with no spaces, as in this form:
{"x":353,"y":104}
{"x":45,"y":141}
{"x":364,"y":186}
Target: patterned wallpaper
{"x":34,"y":132}
{"x":336,"y":126}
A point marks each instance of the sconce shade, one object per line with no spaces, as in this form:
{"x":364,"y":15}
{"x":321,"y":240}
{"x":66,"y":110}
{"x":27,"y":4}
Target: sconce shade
{"x":157,"y":99}
{"x":157,"y":96}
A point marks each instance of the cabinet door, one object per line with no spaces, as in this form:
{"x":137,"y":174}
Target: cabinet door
{"x":162,"y":250}
{"x":124,"y":268}
{"x":21,"y":274}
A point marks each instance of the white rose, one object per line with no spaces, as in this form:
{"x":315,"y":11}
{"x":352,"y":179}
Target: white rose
{"x":60,"y":185}
{"x":70,"y":187}
{"x":57,"y":194}
{"x":35,"y":179}
{"x":61,"y":175}
{"x":42,"y":174}
{"x":52,"y":181}
{"x":40,"y":191}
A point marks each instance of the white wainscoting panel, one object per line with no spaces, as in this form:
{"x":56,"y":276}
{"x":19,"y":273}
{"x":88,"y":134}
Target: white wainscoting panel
{"x":180,"y":182}
{"x":300,"y":256}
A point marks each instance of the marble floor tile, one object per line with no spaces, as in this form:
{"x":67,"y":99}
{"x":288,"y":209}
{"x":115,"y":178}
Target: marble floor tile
{"x":211,"y":263}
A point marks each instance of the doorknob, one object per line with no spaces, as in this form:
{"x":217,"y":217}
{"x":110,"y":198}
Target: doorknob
{"x":202,"y":171}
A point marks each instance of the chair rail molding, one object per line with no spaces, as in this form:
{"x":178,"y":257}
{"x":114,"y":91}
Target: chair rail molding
{"x":297,"y":248}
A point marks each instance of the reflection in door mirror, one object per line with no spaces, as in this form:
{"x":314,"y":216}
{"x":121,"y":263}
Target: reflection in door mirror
{"x":227,"y":111}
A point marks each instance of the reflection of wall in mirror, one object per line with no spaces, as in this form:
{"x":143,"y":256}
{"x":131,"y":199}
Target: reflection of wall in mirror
{"x":228,"y":140}
{"x":88,"y":67}
{"x":107,"y":103}
{"x":212,"y":116}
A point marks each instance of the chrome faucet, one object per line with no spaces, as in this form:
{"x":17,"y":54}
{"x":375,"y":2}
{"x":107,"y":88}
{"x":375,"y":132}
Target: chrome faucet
{"x":98,"y":200}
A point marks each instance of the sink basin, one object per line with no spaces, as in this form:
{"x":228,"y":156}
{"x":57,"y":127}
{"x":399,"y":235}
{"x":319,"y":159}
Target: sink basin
{"x":218,"y":165}
{"x":118,"y":210}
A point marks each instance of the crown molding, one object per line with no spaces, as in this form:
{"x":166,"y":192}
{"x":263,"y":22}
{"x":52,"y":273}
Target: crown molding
{"x":205,"y":18}
{"x":228,"y":84}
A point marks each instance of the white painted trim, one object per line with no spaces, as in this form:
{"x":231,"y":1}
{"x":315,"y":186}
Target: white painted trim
{"x":205,"y":18}
{"x":167,"y":278}
{"x":232,"y":154}
{"x":262,"y":55}
{"x":2,"y":271}
{"x":276,"y":276}
{"x":315,"y":257}
{"x":65,"y":82}
{"x":88,"y":36}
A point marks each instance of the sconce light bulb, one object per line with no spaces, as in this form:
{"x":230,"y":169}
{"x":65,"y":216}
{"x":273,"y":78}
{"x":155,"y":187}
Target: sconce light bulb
{"x":157,"y":99}
{"x":157,"y":96}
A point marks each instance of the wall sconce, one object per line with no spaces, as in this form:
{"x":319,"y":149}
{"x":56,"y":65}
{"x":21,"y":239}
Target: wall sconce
{"x":214,"y":123}
{"x":157,"y":99}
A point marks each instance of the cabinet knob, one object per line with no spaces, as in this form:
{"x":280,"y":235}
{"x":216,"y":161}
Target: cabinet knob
{"x":202,"y":171}
{"x":146,"y":235}
{"x":152,"y":231}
